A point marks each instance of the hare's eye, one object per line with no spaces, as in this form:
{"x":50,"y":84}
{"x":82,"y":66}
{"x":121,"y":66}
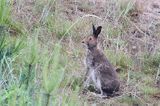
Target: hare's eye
{"x":90,"y":38}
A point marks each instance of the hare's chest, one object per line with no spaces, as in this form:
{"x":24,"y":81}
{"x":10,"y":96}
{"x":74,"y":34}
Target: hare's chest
{"x":95,"y":77}
{"x":94,"y":74}
{"x":90,"y":62}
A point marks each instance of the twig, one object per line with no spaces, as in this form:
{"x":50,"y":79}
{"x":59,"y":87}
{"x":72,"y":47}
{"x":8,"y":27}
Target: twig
{"x":158,"y":73}
{"x":85,"y":16}
{"x":29,"y":74}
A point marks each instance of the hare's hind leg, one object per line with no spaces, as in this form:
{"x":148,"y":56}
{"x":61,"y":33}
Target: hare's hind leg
{"x":99,"y":87}
{"x":98,"y":84}
{"x":87,"y":81}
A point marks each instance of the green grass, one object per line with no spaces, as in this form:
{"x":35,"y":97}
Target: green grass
{"x":151,"y":63}
{"x":148,"y":90}
{"x":130,"y":100}
{"x":6,"y":21}
{"x":23,"y":88}
{"x":4,"y":12}
{"x":126,"y":6}
{"x":58,"y":26}
{"x":121,"y":60}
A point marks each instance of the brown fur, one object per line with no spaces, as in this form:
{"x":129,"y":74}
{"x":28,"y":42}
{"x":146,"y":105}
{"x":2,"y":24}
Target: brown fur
{"x":99,"y":70}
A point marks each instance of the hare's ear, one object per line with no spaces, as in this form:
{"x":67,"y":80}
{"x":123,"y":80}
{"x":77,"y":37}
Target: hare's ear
{"x":97,"y":31}
{"x":94,"y":29}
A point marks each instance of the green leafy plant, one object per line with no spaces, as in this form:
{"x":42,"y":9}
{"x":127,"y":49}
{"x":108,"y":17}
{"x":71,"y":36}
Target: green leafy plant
{"x":53,"y":72}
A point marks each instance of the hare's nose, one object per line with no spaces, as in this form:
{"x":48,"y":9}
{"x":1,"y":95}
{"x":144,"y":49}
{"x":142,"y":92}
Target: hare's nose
{"x":82,"y":41}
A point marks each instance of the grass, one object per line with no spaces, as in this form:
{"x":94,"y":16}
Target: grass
{"x":151,"y":63}
{"x":121,"y":60}
{"x":147,"y":90}
{"x":4,"y":12}
{"x":58,"y":29}
{"x":126,"y":6}
{"x":43,"y":65}
{"x":6,"y":22}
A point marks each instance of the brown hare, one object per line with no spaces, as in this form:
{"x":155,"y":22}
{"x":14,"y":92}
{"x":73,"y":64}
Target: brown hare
{"x":100,"y":72}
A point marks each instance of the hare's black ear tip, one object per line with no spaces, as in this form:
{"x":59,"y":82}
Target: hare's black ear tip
{"x":93,"y":26}
{"x":100,"y":27}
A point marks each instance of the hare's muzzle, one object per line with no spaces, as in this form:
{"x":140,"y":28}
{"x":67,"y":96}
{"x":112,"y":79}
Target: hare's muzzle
{"x":84,"y":44}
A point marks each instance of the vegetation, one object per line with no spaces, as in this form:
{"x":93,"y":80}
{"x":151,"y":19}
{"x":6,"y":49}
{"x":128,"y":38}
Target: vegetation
{"x":41,"y":56}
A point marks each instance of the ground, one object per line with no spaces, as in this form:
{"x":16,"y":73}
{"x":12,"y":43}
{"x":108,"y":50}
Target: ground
{"x":130,"y":39}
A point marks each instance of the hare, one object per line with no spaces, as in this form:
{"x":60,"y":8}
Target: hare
{"x":100,"y":71}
